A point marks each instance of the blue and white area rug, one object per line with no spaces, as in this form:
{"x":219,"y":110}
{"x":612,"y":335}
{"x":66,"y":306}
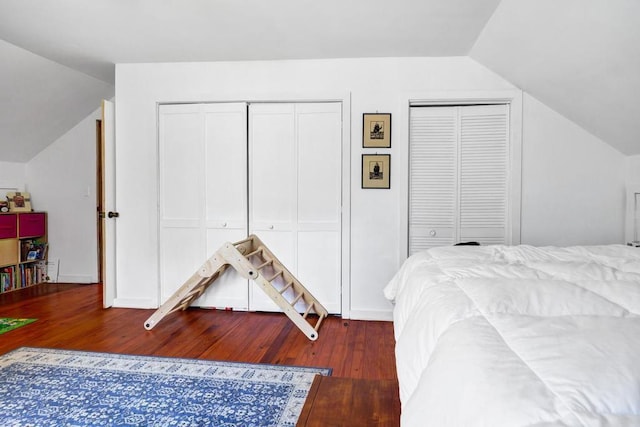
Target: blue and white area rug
{"x":46,"y":387}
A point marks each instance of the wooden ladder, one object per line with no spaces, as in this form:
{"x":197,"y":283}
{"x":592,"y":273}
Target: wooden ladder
{"x":253,"y":260}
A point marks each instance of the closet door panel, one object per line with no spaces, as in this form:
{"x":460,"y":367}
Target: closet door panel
{"x":295,"y":193}
{"x":319,"y":135}
{"x":272,"y":166}
{"x":180,"y":203}
{"x":432,"y":177}
{"x":272,"y":188}
{"x":180,"y":257}
{"x":181,"y":164}
{"x":484,"y":159}
{"x":319,"y":138}
{"x":225,"y":171}
{"x":225,"y":213}
{"x":319,"y":256}
{"x":202,"y":195}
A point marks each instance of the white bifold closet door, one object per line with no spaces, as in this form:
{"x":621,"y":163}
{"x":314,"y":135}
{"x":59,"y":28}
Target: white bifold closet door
{"x":295,"y":189}
{"x":290,"y":196}
{"x":203,"y":195}
{"x":458,"y":175}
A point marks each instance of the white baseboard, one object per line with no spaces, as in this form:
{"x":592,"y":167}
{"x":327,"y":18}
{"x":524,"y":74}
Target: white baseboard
{"x":134,"y":303}
{"x":75,"y":278}
{"x":382,"y":315}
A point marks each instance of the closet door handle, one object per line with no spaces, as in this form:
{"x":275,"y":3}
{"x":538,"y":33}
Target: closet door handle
{"x":113,"y":214}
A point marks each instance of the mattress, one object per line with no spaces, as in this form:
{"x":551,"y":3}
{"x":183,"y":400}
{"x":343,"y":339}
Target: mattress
{"x":518,"y":336}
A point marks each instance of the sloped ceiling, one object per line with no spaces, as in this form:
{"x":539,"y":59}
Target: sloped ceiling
{"x":579,"y":57}
{"x":40,"y":100}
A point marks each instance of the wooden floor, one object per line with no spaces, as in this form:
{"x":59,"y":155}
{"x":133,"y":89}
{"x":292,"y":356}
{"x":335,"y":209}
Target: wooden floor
{"x":71,"y":317}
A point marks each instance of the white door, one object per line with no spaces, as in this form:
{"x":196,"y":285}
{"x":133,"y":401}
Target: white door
{"x":225,"y":135}
{"x":295,"y":194}
{"x":109,"y":194}
{"x":202,"y":155}
{"x":433,"y":177}
{"x":484,"y":174}
{"x":459,"y":175}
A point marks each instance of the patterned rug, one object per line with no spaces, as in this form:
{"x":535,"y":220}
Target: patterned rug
{"x":8,"y":324}
{"x":45,"y":387}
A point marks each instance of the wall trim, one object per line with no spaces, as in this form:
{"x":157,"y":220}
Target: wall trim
{"x":144,"y":303}
{"x":80,"y":278}
{"x":375,"y":315}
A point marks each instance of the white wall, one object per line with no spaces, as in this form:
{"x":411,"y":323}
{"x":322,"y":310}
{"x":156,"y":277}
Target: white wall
{"x":573,"y":184}
{"x":62,"y":181}
{"x":12,"y":175}
{"x":371,"y":85}
{"x":633,"y":169}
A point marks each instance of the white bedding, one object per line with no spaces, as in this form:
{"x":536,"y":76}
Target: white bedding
{"x":519,"y":336}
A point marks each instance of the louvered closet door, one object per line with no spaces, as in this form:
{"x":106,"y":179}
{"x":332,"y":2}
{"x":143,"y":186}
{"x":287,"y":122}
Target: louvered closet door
{"x":433,"y":177}
{"x":483,"y":160}
{"x":458,"y":175}
{"x":203,"y":202}
{"x":295,"y":194}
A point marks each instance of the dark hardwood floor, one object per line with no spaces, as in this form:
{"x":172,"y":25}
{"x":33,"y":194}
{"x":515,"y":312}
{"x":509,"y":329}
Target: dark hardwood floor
{"x":72,"y":317}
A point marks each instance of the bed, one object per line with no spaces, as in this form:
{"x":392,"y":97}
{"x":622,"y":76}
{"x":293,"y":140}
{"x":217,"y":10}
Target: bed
{"x":518,"y":336}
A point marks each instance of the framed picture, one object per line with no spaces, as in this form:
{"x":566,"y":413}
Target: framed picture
{"x":376,"y":171}
{"x":376,"y":130}
{"x":19,"y":202}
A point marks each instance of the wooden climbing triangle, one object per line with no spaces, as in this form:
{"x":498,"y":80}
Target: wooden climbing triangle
{"x":253,"y":260}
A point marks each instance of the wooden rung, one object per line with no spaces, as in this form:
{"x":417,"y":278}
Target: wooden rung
{"x":287,"y":286}
{"x":254,"y":253}
{"x":264,"y":264}
{"x":184,"y":305}
{"x":307,"y":311}
{"x":297,"y":298}
{"x":248,"y":239}
{"x":196,"y":291}
{"x":318,"y":322}
{"x":279,"y":273}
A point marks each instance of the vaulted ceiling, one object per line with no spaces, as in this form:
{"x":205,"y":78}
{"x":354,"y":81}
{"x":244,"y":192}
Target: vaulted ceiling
{"x":580,"y":57}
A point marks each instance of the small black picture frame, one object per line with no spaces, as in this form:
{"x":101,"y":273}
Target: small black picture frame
{"x":376,"y":130}
{"x":376,"y":171}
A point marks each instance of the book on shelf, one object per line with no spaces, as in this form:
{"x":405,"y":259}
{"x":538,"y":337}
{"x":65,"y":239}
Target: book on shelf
{"x":7,"y":279}
{"x":30,"y":274}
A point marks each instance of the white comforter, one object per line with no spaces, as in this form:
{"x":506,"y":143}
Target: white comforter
{"x":519,"y":336}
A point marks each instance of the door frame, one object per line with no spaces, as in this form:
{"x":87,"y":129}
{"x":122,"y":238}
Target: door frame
{"x":344,"y":98}
{"x":100,"y":198}
{"x":107,"y":188}
{"x":513,"y":98}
